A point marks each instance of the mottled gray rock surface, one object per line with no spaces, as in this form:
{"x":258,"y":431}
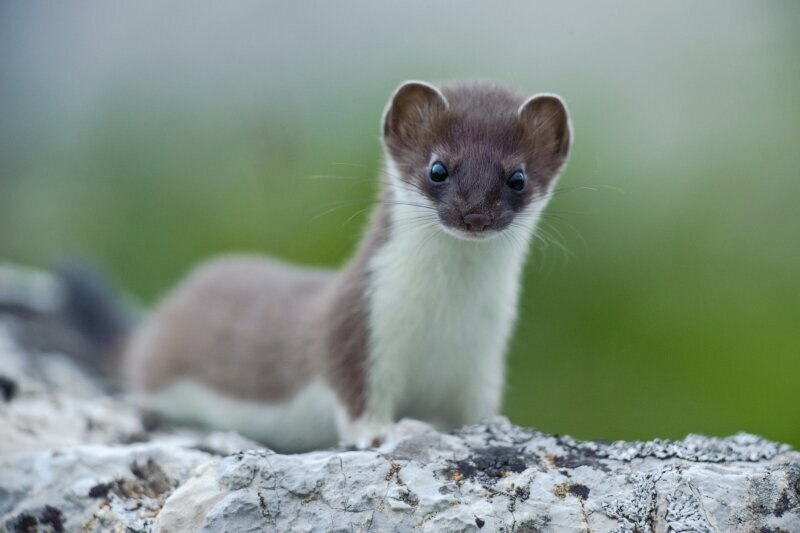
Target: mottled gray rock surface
{"x":75,"y":459}
{"x":502,"y":478}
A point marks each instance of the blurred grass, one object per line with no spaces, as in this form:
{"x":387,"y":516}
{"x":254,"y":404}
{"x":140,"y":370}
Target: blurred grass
{"x":677,"y":308}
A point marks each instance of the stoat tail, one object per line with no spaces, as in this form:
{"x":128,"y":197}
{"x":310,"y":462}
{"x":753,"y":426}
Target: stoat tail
{"x":75,"y":311}
{"x":92,"y":306}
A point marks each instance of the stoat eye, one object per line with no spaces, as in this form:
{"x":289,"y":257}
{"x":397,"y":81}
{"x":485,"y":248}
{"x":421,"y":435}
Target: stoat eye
{"x":438,"y":172}
{"x":517,"y":181}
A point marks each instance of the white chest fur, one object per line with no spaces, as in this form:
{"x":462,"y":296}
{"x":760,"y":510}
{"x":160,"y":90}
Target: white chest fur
{"x":442,"y":310}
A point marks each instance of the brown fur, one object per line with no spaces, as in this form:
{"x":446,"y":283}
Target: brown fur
{"x":479,"y":133}
{"x":347,"y":318}
{"x":218,"y":325}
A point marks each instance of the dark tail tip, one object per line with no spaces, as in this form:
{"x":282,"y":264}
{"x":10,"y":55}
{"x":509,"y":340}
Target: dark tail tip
{"x":91,"y":305}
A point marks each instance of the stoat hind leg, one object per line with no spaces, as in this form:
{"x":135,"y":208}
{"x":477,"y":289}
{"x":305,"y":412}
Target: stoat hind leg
{"x":301,"y":423}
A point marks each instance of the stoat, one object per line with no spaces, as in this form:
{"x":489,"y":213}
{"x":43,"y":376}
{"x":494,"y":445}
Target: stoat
{"x":414,"y":325}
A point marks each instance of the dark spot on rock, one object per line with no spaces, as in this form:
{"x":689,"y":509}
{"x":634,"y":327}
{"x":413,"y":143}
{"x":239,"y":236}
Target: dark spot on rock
{"x":263,"y":505}
{"x":154,"y":479}
{"x":149,"y":480}
{"x":479,"y":522}
{"x":24,"y":523}
{"x":52,"y":517}
{"x":393,"y":470}
{"x":783,"y":504}
{"x":581,"y":491}
{"x":576,"y":457}
{"x":8,"y":388}
{"x":409,"y":498}
{"x":528,"y":526}
{"x":522,"y":493}
{"x":100,"y":490}
{"x":491,"y":464}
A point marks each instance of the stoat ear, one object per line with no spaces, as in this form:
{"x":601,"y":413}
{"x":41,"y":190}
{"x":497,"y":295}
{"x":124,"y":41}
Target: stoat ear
{"x":410,"y":112}
{"x":546,"y":122}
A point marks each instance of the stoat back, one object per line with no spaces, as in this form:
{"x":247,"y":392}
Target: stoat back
{"x":240,"y":324}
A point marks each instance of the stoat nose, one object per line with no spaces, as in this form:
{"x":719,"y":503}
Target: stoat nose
{"x":477,"y":221}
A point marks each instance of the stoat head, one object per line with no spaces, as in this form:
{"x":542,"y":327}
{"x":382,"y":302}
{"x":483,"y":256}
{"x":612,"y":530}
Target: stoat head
{"x":483,"y":157}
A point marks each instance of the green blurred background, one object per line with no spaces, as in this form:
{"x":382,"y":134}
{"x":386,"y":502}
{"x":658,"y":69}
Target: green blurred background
{"x":151,"y":135}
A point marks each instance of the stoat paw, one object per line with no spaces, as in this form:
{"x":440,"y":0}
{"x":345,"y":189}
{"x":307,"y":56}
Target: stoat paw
{"x":368,"y":442}
{"x":365,"y":436}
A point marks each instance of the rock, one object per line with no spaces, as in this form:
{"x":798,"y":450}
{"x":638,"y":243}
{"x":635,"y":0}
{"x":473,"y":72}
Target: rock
{"x":504,"y":478}
{"x":73,"y":458}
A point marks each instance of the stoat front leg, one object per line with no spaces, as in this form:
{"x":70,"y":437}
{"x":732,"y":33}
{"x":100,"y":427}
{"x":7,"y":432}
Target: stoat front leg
{"x":365,"y":432}
{"x":370,"y":428}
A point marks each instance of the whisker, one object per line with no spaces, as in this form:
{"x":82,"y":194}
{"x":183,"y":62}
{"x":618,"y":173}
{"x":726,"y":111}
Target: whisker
{"x":343,"y":164}
{"x":340,"y":205}
{"x":354,"y":215}
{"x":567,"y":222}
{"x":412,"y":204}
{"x":333,"y":177}
{"x":567,"y":252}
